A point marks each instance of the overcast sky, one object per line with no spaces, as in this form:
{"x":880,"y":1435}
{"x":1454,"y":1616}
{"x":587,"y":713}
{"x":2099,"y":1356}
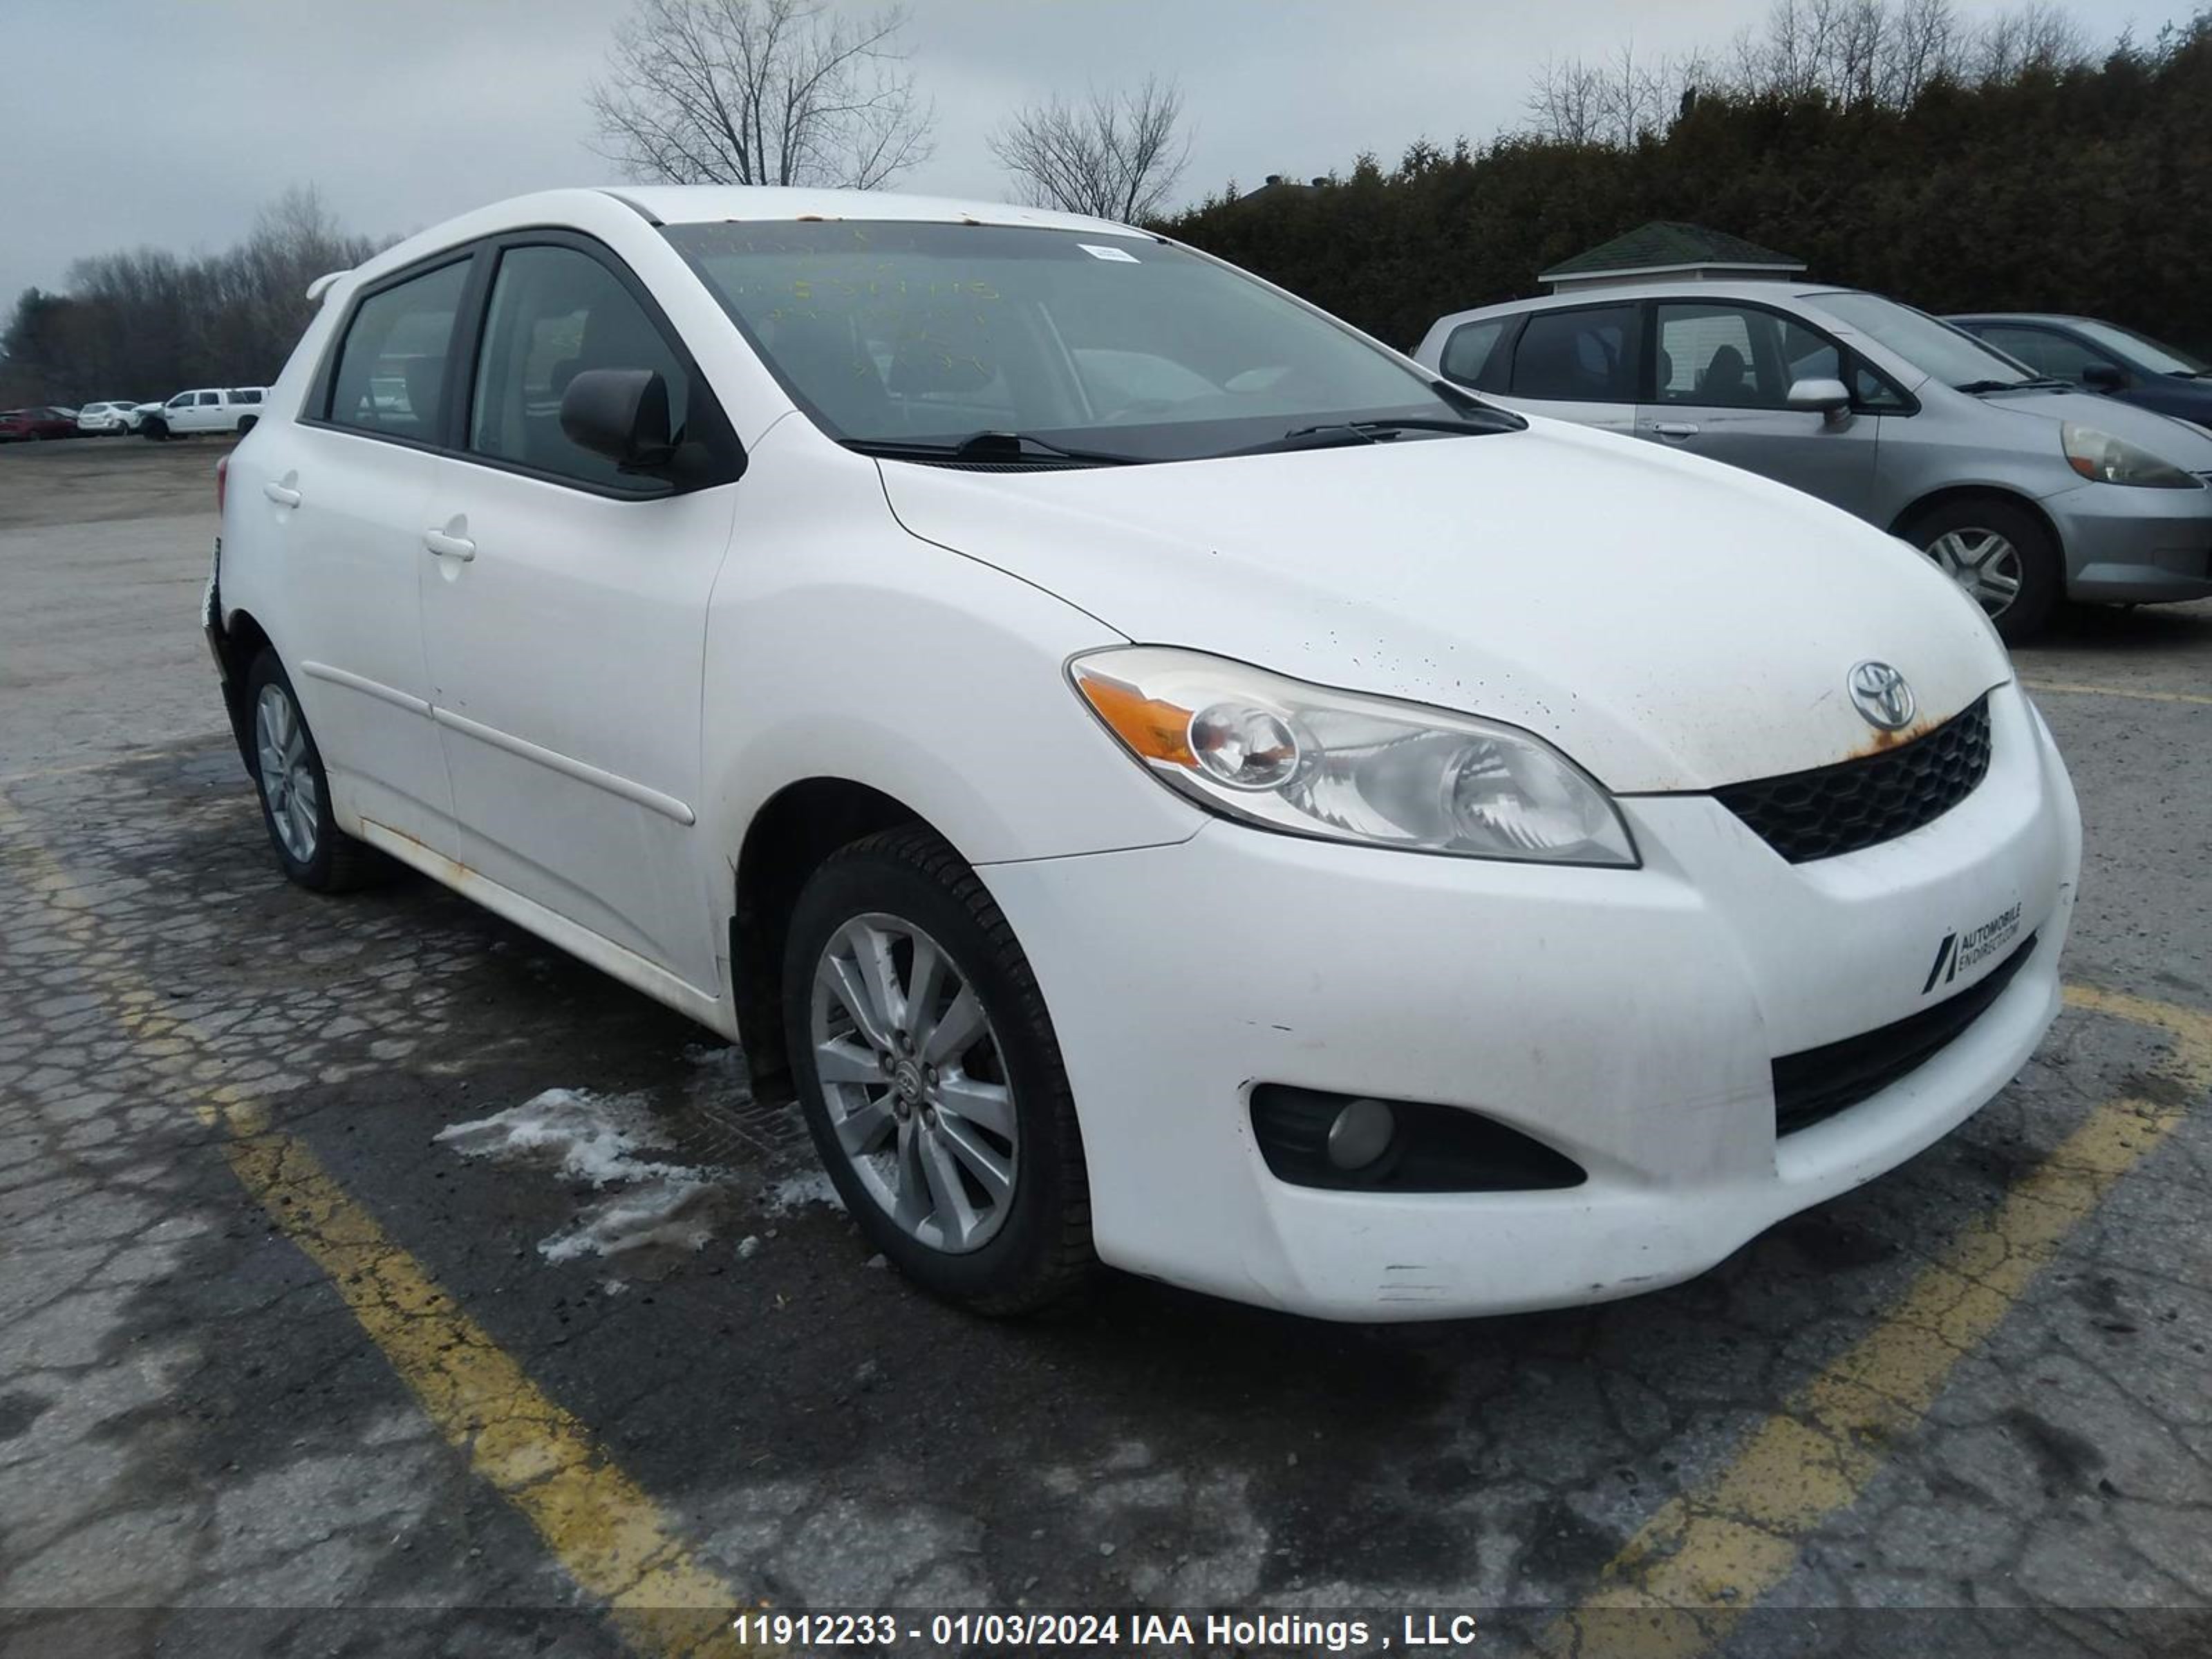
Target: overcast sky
{"x":146,"y":121}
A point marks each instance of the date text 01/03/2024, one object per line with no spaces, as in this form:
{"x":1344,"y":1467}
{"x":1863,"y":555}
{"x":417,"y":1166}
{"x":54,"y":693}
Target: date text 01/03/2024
{"x":1138,"y":1630}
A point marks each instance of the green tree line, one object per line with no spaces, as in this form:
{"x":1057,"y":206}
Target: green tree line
{"x":2052,"y":182}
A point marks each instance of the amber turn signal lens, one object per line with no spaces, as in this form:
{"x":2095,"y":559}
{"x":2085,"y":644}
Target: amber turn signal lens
{"x":1155,"y":730}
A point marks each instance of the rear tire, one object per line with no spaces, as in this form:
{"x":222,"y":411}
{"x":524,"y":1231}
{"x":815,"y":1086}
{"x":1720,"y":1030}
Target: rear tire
{"x":966,"y":1164}
{"x":1986,"y":546}
{"x":295,"y":791}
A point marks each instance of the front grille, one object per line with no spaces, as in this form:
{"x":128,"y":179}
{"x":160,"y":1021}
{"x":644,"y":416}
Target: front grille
{"x":1833,"y":810}
{"x":1812,"y":1086}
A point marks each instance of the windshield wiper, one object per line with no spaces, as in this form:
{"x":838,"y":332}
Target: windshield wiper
{"x":987,"y":447}
{"x":2040,"y":383}
{"x":1338,"y":435}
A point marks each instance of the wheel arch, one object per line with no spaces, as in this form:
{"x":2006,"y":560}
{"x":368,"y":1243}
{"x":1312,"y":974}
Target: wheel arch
{"x":239,"y":640}
{"x":791,"y":833}
{"x":1951,"y":493}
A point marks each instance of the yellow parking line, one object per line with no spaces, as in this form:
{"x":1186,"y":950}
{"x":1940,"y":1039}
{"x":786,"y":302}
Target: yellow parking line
{"x":607,"y":1533}
{"x":2070,"y":688}
{"x":1678,"y":1587}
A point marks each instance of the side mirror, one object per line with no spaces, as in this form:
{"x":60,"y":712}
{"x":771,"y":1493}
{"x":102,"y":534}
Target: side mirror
{"x":1830,"y":398}
{"x":2104,"y":377}
{"x":619,"y":413}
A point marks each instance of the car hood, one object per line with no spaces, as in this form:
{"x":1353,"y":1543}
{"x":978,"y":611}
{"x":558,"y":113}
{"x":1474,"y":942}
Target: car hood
{"x":1671,"y":623}
{"x":2180,"y":442}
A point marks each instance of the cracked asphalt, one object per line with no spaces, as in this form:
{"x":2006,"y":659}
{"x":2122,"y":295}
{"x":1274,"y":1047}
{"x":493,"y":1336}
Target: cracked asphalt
{"x":281,"y":1373}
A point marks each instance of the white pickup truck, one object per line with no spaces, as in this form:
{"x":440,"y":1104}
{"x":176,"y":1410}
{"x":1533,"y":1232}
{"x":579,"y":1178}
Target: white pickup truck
{"x":214,"y":409}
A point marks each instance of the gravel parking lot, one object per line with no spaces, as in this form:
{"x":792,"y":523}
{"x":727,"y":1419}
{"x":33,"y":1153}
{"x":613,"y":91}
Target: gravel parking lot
{"x":281,"y":1370}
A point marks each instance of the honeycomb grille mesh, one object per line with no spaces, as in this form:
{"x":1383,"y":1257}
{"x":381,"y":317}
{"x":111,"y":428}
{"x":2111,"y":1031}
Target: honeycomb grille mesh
{"x":1854,"y":803}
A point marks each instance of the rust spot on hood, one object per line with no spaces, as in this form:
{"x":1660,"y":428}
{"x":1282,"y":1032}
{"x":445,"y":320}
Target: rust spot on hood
{"x":1882,"y":741}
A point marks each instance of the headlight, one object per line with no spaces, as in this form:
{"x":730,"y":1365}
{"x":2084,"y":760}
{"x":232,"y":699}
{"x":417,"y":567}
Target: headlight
{"x":1254,"y":745}
{"x":2107,"y":459}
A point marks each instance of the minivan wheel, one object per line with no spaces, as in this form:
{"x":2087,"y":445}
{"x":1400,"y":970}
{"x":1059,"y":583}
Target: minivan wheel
{"x":931,"y":1079}
{"x":295,"y":793}
{"x":2000,"y":555}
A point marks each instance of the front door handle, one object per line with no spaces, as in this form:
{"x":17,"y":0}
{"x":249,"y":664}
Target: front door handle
{"x":449,"y":547}
{"x":1675,"y":429}
{"x":280,"y":494}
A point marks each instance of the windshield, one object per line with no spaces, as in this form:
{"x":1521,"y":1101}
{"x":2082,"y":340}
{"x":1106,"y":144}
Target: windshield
{"x":2158,"y":359}
{"x":907,"y":335}
{"x":1951,"y":354}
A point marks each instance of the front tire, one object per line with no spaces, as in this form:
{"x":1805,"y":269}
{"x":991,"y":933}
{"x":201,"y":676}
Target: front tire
{"x":157,"y":430}
{"x":2000,"y":555}
{"x":296,"y":793}
{"x":930,"y":1078}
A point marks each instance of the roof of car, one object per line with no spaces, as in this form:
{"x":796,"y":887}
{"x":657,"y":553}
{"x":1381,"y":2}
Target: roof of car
{"x":1689,"y":289}
{"x":690,"y":204}
{"x":2059,"y":318}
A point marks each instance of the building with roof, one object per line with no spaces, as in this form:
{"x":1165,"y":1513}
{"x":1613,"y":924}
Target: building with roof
{"x":1667,"y":249}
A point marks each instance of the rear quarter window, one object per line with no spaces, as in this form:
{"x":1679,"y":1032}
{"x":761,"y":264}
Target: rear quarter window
{"x":390,"y":371}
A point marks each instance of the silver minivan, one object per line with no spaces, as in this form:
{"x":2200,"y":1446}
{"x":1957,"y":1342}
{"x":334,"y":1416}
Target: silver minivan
{"x":2023,"y":488}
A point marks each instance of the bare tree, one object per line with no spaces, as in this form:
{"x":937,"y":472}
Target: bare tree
{"x":1567,"y":102}
{"x":760,"y":92}
{"x":1116,"y":156}
{"x":2037,"y":39}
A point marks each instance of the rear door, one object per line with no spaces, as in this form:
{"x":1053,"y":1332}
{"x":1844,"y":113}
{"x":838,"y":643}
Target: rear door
{"x":564,"y":607}
{"x":1722,"y":374}
{"x":1578,"y":363}
{"x":346,"y":493}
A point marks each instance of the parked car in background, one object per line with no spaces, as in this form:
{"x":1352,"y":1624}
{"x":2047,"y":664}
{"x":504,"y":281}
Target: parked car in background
{"x":109,"y":418}
{"x":1354,"y":747}
{"x":2100,"y":357}
{"x":41,"y":421}
{"x":2024,"y":490}
{"x":218,"y":409}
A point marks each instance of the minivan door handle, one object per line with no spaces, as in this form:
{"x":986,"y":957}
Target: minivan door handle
{"x":1675,"y":429}
{"x":449,"y":547}
{"x":280,"y":495}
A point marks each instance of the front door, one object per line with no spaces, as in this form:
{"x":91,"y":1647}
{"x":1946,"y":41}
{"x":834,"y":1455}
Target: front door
{"x":564,"y":609}
{"x":1722,"y":381}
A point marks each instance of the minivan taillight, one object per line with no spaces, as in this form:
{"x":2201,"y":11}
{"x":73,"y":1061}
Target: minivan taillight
{"x":222,"y":483}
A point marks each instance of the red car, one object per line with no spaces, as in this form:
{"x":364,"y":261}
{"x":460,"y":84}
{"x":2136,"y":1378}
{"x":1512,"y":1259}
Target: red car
{"x":18,"y":425}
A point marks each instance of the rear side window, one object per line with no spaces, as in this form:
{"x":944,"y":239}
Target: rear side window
{"x":390,"y":369}
{"x":556,"y":312}
{"x":209,"y":397}
{"x":1467,"y":354}
{"x":1584,"y":356}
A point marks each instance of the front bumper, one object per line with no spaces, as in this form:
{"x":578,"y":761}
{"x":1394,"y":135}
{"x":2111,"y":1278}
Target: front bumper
{"x":1627,"y":1018}
{"x":2129,"y":545}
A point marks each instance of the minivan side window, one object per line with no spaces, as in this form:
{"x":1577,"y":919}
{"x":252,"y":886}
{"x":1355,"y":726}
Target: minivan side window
{"x":556,"y":312}
{"x":390,"y":368}
{"x":1467,"y":353}
{"x":1585,"y":356}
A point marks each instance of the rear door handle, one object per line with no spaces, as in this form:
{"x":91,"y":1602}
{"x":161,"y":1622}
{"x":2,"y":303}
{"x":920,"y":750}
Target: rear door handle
{"x":280,"y":495}
{"x":449,"y":547}
{"x":1675,"y":429}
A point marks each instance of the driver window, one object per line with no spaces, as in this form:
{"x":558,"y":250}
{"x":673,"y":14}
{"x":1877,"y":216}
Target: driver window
{"x":556,"y":312}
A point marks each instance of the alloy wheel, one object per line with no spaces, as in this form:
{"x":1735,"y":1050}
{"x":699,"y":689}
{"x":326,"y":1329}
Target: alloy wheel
{"x":915,"y":1083}
{"x":287,"y":777}
{"x":1982,"y":561}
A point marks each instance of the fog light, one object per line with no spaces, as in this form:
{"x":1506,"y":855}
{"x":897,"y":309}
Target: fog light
{"x":1361,"y":1135}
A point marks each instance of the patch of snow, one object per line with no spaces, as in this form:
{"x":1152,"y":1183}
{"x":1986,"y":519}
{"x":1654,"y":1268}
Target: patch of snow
{"x":796,"y":1192}
{"x":677,"y":1211}
{"x":580,"y":1135}
{"x":748,"y":1247}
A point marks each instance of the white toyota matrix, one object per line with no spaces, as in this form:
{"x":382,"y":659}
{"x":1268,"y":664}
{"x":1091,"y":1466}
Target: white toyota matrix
{"x":1159,"y":778}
